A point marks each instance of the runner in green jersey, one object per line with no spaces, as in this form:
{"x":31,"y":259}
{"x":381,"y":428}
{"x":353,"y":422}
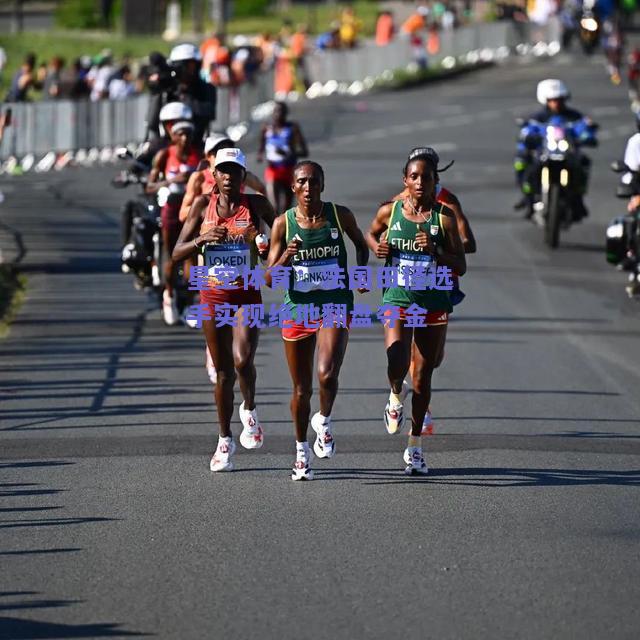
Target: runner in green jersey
{"x":310,"y":239}
{"x":415,"y":232}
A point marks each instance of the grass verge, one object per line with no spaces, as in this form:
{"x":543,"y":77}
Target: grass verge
{"x":12,"y":291}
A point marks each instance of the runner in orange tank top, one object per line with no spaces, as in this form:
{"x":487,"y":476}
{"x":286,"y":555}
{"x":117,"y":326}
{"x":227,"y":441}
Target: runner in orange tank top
{"x":224,"y":226}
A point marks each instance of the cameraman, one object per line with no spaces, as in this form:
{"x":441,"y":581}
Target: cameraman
{"x":189,"y":88}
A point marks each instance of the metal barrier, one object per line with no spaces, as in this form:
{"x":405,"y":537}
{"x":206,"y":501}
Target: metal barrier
{"x":62,"y":126}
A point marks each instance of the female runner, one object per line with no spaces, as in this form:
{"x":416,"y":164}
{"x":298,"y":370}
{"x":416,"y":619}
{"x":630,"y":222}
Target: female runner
{"x":224,"y":225}
{"x":415,"y":232}
{"x":309,"y":238}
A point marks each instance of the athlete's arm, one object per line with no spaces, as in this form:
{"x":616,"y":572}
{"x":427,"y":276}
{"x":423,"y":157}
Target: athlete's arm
{"x":351,"y":228}
{"x":464,"y":228}
{"x":253,"y":182}
{"x":280,"y":253}
{"x":453,"y":255}
{"x":262,"y":208}
{"x":157,"y":169}
{"x":186,"y":246}
{"x":378,"y":227}
{"x":299,"y":142}
{"x":194,"y":189}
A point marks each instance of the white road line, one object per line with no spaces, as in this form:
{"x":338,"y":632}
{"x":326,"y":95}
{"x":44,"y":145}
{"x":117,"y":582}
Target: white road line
{"x":605,"y":111}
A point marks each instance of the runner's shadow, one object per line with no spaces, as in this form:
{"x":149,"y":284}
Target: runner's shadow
{"x":19,"y":629}
{"x":508,"y":477}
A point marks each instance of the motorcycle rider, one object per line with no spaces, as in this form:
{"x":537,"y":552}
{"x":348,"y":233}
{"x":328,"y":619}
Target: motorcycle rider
{"x":553,"y":94}
{"x":632,"y":162}
{"x":185,"y":61}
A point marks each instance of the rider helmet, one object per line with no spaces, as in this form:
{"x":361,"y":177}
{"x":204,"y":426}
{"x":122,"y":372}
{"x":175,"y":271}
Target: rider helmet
{"x":552,"y":89}
{"x":183,"y":53}
{"x":172,"y":112}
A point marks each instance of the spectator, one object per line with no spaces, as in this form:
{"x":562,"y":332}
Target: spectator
{"x":3,"y":61}
{"x":73,"y":85}
{"x":416,"y":21}
{"x":329,"y":39}
{"x":121,"y":85}
{"x":384,"y":28}
{"x":209,"y":52}
{"x":53,"y":79}
{"x":23,"y":80}
{"x":350,"y":26}
{"x":299,"y":51}
{"x":100,"y":74}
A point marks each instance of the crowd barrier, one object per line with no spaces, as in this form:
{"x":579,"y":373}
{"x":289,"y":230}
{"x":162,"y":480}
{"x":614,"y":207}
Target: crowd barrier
{"x":55,"y":127}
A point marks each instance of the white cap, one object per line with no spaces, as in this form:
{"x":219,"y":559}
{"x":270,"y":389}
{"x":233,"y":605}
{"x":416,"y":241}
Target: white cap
{"x":183,"y":52}
{"x":233,"y":155}
{"x":213,"y":141}
{"x":182,"y":125}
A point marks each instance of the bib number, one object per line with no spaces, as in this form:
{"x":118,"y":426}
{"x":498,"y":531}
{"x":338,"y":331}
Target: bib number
{"x":314,"y":276}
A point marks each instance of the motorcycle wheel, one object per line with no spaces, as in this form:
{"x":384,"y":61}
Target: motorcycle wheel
{"x":554,"y":213}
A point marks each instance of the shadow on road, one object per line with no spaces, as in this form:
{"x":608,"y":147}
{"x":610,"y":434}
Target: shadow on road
{"x":491,"y":477}
{"x":18,"y":629}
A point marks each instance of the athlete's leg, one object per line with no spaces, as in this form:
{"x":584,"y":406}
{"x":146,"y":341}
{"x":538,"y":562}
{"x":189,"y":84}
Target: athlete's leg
{"x":332,"y":345}
{"x":397,"y":342}
{"x":271,"y":195}
{"x":245,"y":343}
{"x":300,"y":360}
{"x":429,"y":344}
{"x":220,"y":341}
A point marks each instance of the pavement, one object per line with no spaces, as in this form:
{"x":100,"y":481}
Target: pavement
{"x":528,"y":524}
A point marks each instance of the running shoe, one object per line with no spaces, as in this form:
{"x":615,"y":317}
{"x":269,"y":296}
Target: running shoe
{"x":190,"y":321}
{"x":394,"y":417}
{"x":169,"y":309}
{"x":221,"y":460}
{"x":211,"y":370}
{"x":251,"y":436}
{"x":301,"y":467}
{"x":324,"y":446}
{"x":414,"y":460}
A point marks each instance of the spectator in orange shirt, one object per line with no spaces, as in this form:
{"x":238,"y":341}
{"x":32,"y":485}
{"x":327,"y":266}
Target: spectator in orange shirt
{"x":298,"y":51}
{"x":416,"y":21}
{"x":384,"y":28}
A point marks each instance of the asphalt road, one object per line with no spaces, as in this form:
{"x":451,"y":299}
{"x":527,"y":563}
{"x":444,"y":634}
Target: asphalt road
{"x":528,"y":526}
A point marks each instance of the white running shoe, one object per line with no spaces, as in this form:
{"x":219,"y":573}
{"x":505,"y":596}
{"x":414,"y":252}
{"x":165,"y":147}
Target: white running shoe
{"x":301,"y":468}
{"x":211,"y":370}
{"x":251,"y":436}
{"x":324,"y":446}
{"x":155,"y":276}
{"x":221,"y":460}
{"x":394,"y":417}
{"x":414,"y":460}
{"x":190,"y":321}
{"x":169,"y":309}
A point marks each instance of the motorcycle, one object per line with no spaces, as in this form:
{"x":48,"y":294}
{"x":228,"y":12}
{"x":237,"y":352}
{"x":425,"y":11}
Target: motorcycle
{"x":141,"y":252}
{"x":560,"y":168}
{"x":623,"y":232}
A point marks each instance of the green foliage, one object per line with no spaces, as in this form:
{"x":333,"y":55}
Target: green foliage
{"x":250,"y":8}
{"x":78,"y":14}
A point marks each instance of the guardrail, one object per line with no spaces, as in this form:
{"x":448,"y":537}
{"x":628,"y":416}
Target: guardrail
{"x":57,"y":127}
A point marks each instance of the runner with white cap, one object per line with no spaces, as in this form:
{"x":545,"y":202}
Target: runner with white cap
{"x":223,"y":226}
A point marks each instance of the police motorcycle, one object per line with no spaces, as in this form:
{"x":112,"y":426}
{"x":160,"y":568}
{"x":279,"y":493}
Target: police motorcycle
{"x":623,"y":232}
{"x":557,"y":171}
{"x":141,"y":253}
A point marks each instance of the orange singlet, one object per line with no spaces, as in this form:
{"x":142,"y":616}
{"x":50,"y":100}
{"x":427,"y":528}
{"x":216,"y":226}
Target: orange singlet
{"x":238,"y":251}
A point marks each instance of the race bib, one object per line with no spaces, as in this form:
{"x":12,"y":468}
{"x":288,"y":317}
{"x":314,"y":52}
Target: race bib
{"x":315,"y":275}
{"x":407,"y":263}
{"x":224,"y":257}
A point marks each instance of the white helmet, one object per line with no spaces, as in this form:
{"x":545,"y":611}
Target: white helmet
{"x":175,"y":111}
{"x":184,"y":52}
{"x":172,"y":112}
{"x":552,"y":89}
